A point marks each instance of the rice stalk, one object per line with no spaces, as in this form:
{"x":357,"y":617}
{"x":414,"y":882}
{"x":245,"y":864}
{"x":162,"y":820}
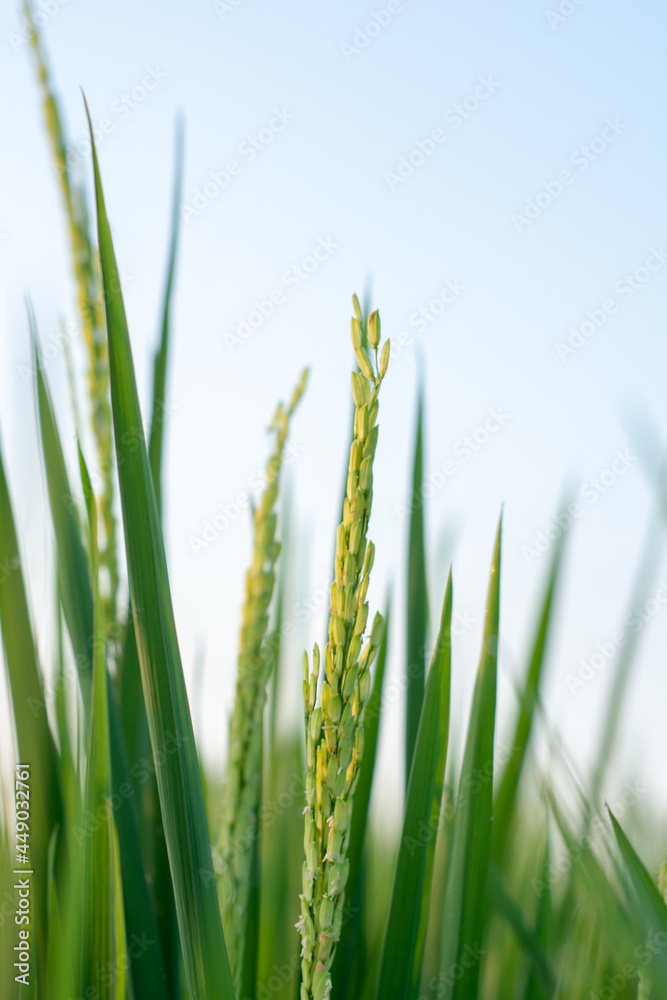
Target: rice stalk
{"x":334,"y":727}
{"x":255,"y":661}
{"x":91,"y":313}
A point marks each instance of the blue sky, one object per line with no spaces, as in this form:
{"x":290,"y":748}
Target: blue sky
{"x":496,"y":174}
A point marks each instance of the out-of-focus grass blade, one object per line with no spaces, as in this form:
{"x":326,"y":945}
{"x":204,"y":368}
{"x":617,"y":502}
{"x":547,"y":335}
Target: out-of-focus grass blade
{"x":405,"y":937}
{"x":649,"y":561}
{"x":652,"y":908}
{"x":156,"y":434}
{"x":538,"y":988}
{"x":529,"y":940}
{"x":506,"y":796}
{"x":466,"y":885}
{"x":35,"y":742}
{"x":417,"y":600}
{"x":350,"y":961}
{"x":77,"y":601}
{"x":73,"y":576}
{"x":179,"y":783}
{"x":101,"y":889}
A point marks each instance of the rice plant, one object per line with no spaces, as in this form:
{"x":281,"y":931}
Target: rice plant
{"x":128,"y":872}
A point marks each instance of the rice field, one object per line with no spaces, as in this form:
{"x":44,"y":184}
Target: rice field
{"x":131,"y":871}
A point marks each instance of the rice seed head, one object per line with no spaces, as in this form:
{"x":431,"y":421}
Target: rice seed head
{"x":334,"y":728}
{"x":255,"y":662}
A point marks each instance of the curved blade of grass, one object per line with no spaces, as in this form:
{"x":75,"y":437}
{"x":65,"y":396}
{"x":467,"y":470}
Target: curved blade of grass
{"x":506,"y":796}
{"x":528,"y":939}
{"x":34,"y":739}
{"x":102,"y":895}
{"x":405,"y":937}
{"x":417,"y":598}
{"x":648,"y":564}
{"x":77,"y":601}
{"x":537,"y":987}
{"x":465,"y":892}
{"x":350,"y":960}
{"x":651,"y":902}
{"x":133,"y":709}
{"x":179,"y":783}
{"x":73,"y":576}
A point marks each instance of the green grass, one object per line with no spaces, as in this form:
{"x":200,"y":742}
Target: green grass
{"x":152,"y":878}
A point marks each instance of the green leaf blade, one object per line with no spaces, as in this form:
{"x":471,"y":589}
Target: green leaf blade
{"x":417,"y":599}
{"x":406,"y":930}
{"x":179,"y":782}
{"x":466,"y":885}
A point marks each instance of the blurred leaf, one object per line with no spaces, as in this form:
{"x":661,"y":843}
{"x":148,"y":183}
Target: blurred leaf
{"x":179,"y":783}
{"x":35,"y":742}
{"x":506,"y":796}
{"x":465,"y":893}
{"x":538,"y":987}
{"x":417,"y":600}
{"x":77,"y":600}
{"x":528,"y":939}
{"x":406,"y":929}
{"x":156,"y":434}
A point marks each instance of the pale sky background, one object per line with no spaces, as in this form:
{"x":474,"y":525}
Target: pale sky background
{"x":348,"y":116}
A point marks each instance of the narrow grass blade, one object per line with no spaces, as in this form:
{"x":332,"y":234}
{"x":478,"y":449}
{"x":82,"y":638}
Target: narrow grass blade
{"x":73,"y":575}
{"x":350,"y":961}
{"x":77,"y":600}
{"x":102,"y":895}
{"x":465,"y":893}
{"x":133,"y":709}
{"x":417,"y":600}
{"x":406,"y":930}
{"x":649,"y":561}
{"x":651,"y":902}
{"x":35,"y":742}
{"x":528,"y":939}
{"x":506,"y":797}
{"x":156,"y":433}
{"x":179,"y":783}
{"x":538,"y":987}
